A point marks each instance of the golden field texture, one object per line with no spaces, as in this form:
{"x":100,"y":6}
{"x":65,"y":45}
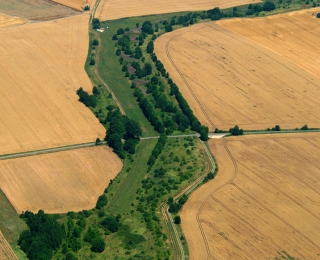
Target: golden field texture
{"x":75,"y":4}
{"x":42,"y":67}
{"x":228,"y":79}
{"x":7,"y":20}
{"x":59,"y":182}
{"x":115,"y":9}
{"x":35,"y":9}
{"x":6,"y":252}
{"x":263,"y":202}
{"x":294,"y":35}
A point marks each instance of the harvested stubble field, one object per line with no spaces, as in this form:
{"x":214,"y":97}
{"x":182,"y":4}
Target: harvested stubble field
{"x":228,"y":79}
{"x":59,"y":182}
{"x":293,"y":35}
{"x":75,"y":4}
{"x":42,"y":67}
{"x":7,"y":20}
{"x":116,"y":9}
{"x":35,"y":9}
{"x":263,"y":202}
{"x":6,"y":252}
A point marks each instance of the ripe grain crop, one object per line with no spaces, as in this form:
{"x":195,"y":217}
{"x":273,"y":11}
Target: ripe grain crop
{"x":75,"y":4}
{"x":263,"y":201}
{"x":6,"y":253}
{"x":59,"y":182}
{"x":228,"y":79}
{"x":42,"y":67}
{"x":115,"y":9}
{"x":7,"y":20}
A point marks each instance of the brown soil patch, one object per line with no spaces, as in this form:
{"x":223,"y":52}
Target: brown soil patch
{"x":115,"y":9}
{"x":59,"y":182}
{"x":6,"y":252}
{"x":228,"y":79}
{"x":42,"y":67}
{"x":35,"y":9}
{"x":75,"y":4}
{"x":264,"y":200}
{"x":293,"y":35}
{"x":7,"y":20}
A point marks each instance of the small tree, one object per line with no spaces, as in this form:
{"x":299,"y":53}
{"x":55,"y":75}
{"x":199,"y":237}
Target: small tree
{"x":177,"y":220}
{"x":98,"y":245}
{"x":98,"y":141}
{"x":318,"y":14}
{"x":95,"y":42}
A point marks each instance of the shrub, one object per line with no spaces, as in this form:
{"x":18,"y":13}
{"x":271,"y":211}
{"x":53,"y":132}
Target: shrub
{"x":102,"y":201}
{"x":98,"y":245}
{"x":95,"y":42}
{"x":318,"y":14}
{"x":177,"y":220}
{"x":305,"y":127}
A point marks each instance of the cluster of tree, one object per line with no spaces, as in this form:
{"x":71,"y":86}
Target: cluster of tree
{"x":147,"y":27}
{"x":175,"y":206}
{"x":210,"y":176}
{"x":111,"y":223}
{"x":102,"y":201}
{"x":97,"y":242}
{"x":236,"y":130}
{"x":318,"y":14}
{"x":96,"y":23}
{"x":186,"y":20}
{"x":121,"y":127}
{"x":44,"y":236}
{"x":85,"y":98}
{"x":142,"y":72}
{"x":157,"y":149}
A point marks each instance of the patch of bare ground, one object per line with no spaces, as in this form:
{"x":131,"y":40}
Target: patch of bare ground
{"x":35,"y":9}
{"x":7,"y":20}
{"x":42,"y":67}
{"x":59,"y":182}
{"x":264,"y":200}
{"x":228,"y":79}
{"x":294,"y":35}
{"x":115,"y":9}
{"x":6,"y":253}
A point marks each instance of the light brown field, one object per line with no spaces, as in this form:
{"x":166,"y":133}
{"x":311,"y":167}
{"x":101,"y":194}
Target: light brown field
{"x":59,"y":182}
{"x":6,"y":252}
{"x":35,"y":9}
{"x":228,"y":79}
{"x":42,"y":67}
{"x":293,"y":35}
{"x":264,"y":200}
{"x":75,"y":4}
{"x":115,"y":9}
{"x":7,"y":20}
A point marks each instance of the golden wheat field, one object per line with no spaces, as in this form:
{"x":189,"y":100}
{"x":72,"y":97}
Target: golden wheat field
{"x":263,"y":203}
{"x":75,"y":4}
{"x":42,"y":67}
{"x":293,"y":35}
{"x":228,"y":79}
{"x":115,"y":9}
{"x":7,"y":20}
{"x":59,"y":182}
{"x":6,"y":252}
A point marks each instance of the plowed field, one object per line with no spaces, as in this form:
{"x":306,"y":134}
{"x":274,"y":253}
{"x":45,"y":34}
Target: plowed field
{"x":263,"y":203}
{"x":75,"y":4}
{"x":42,"y":67}
{"x":35,"y":9}
{"x":115,"y":9}
{"x":293,"y":35}
{"x":6,"y":252}
{"x":59,"y":182}
{"x":7,"y":20}
{"x":228,"y":79}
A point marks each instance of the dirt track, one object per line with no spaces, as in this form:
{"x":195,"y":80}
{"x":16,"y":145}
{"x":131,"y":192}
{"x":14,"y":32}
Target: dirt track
{"x":59,"y":182}
{"x":115,"y":9}
{"x":262,"y":202}
{"x":228,"y":79}
{"x":42,"y":67}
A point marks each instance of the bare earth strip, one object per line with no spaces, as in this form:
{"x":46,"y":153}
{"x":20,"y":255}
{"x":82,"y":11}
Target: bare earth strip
{"x":59,"y":182}
{"x":264,"y":200}
{"x":42,"y":67}
{"x":35,"y":9}
{"x":6,"y":252}
{"x":75,"y":4}
{"x":294,"y":35}
{"x":115,"y":9}
{"x":228,"y":79}
{"x":7,"y":20}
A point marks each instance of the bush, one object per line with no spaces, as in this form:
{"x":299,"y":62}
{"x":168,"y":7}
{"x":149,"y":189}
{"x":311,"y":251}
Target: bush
{"x":236,"y":131}
{"x":268,"y":6}
{"x":102,"y":201}
{"x":305,"y":127}
{"x":177,"y":220}
{"x":95,"y":42}
{"x":98,"y":245}
{"x":318,"y":14}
